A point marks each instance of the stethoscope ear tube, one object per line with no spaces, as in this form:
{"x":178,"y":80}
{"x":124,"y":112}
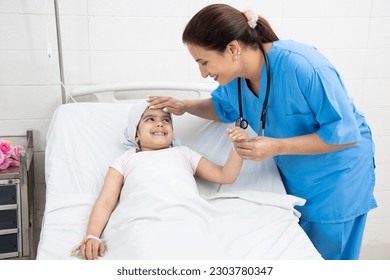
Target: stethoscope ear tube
{"x":241,"y":121}
{"x":263,"y":116}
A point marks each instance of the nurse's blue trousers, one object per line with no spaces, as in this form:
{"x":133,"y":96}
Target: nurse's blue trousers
{"x":337,"y":241}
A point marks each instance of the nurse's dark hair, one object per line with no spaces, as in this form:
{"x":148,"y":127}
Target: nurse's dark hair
{"x":215,"y":26}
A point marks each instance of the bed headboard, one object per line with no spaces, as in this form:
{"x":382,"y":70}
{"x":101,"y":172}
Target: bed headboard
{"x":128,"y":92}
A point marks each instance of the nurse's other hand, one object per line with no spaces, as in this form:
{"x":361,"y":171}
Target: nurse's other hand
{"x":168,"y":104}
{"x":257,"y":148}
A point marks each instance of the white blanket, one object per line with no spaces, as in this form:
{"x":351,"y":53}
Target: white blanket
{"x":235,"y":225}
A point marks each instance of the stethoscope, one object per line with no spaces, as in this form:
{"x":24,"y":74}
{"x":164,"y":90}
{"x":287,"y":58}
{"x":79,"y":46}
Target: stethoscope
{"x":241,"y":121}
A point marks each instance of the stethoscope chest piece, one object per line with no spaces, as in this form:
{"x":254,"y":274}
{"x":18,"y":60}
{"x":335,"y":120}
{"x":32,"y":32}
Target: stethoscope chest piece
{"x":241,"y":122}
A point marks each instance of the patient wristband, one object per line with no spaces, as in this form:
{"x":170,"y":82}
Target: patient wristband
{"x":89,"y":236}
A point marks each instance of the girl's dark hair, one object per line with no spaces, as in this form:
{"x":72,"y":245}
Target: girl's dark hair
{"x":215,"y":26}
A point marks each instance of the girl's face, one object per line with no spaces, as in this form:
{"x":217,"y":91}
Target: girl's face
{"x":220,"y":66}
{"x":154,"y":130}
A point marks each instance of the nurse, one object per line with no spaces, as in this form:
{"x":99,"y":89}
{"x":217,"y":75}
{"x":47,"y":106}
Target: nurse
{"x":320,"y":142}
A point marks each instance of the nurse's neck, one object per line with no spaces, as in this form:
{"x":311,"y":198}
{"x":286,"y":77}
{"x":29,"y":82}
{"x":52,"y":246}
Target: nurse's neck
{"x":253,"y":62}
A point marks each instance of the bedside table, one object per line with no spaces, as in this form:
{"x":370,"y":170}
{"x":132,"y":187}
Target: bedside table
{"x":17,"y":203}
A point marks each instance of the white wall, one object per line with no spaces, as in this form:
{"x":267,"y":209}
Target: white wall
{"x":109,"y":41}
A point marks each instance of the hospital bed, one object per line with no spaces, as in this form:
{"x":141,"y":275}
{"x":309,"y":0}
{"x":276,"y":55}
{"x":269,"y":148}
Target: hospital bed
{"x":257,"y":219}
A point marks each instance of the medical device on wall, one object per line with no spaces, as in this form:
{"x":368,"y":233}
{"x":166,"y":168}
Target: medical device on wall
{"x":241,"y":121}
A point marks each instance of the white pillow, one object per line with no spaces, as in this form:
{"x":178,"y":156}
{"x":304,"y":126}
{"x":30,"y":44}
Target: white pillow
{"x":209,"y":139}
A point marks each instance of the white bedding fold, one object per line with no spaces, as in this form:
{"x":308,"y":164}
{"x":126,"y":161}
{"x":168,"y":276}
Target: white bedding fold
{"x":265,"y":198}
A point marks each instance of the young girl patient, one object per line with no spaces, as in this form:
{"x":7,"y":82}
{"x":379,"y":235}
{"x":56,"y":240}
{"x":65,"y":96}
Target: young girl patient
{"x":155,"y":170}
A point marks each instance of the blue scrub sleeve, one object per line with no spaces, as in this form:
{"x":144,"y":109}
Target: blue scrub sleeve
{"x":332,"y":106}
{"x":222,"y":104}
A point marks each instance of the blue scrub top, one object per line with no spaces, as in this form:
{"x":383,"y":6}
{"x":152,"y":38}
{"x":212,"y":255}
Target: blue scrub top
{"x":308,"y":96}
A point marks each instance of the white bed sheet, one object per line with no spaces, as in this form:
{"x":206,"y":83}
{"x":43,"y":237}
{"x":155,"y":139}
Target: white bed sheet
{"x":82,"y":141}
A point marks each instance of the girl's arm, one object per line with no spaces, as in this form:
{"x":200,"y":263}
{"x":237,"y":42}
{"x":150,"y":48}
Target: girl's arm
{"x":228,"y":173}
{"x":101,"y":213}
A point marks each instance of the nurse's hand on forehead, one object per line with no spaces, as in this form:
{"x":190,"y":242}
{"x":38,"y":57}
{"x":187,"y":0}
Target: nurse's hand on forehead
{"x":202,"y":107}
{"x":168,"y":104}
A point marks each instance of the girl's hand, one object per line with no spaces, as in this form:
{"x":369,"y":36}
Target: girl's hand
{"x":236,"y":134}
{"x":91,"y":249}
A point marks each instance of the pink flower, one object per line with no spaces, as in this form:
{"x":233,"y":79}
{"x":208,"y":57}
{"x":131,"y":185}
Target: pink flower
{"x":13,"y":162}
{"x":9,"y":155}
{"x":2,"y":157}
{"x":15,"y":152}
{"x":4,"y":161}
{"x":5,"y":147}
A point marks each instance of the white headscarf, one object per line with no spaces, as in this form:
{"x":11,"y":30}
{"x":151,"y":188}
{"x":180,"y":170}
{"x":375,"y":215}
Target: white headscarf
{"x":129,"y":133}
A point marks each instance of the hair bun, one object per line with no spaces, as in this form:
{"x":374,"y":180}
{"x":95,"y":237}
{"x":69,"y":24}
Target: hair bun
{"x":252,"y":18}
